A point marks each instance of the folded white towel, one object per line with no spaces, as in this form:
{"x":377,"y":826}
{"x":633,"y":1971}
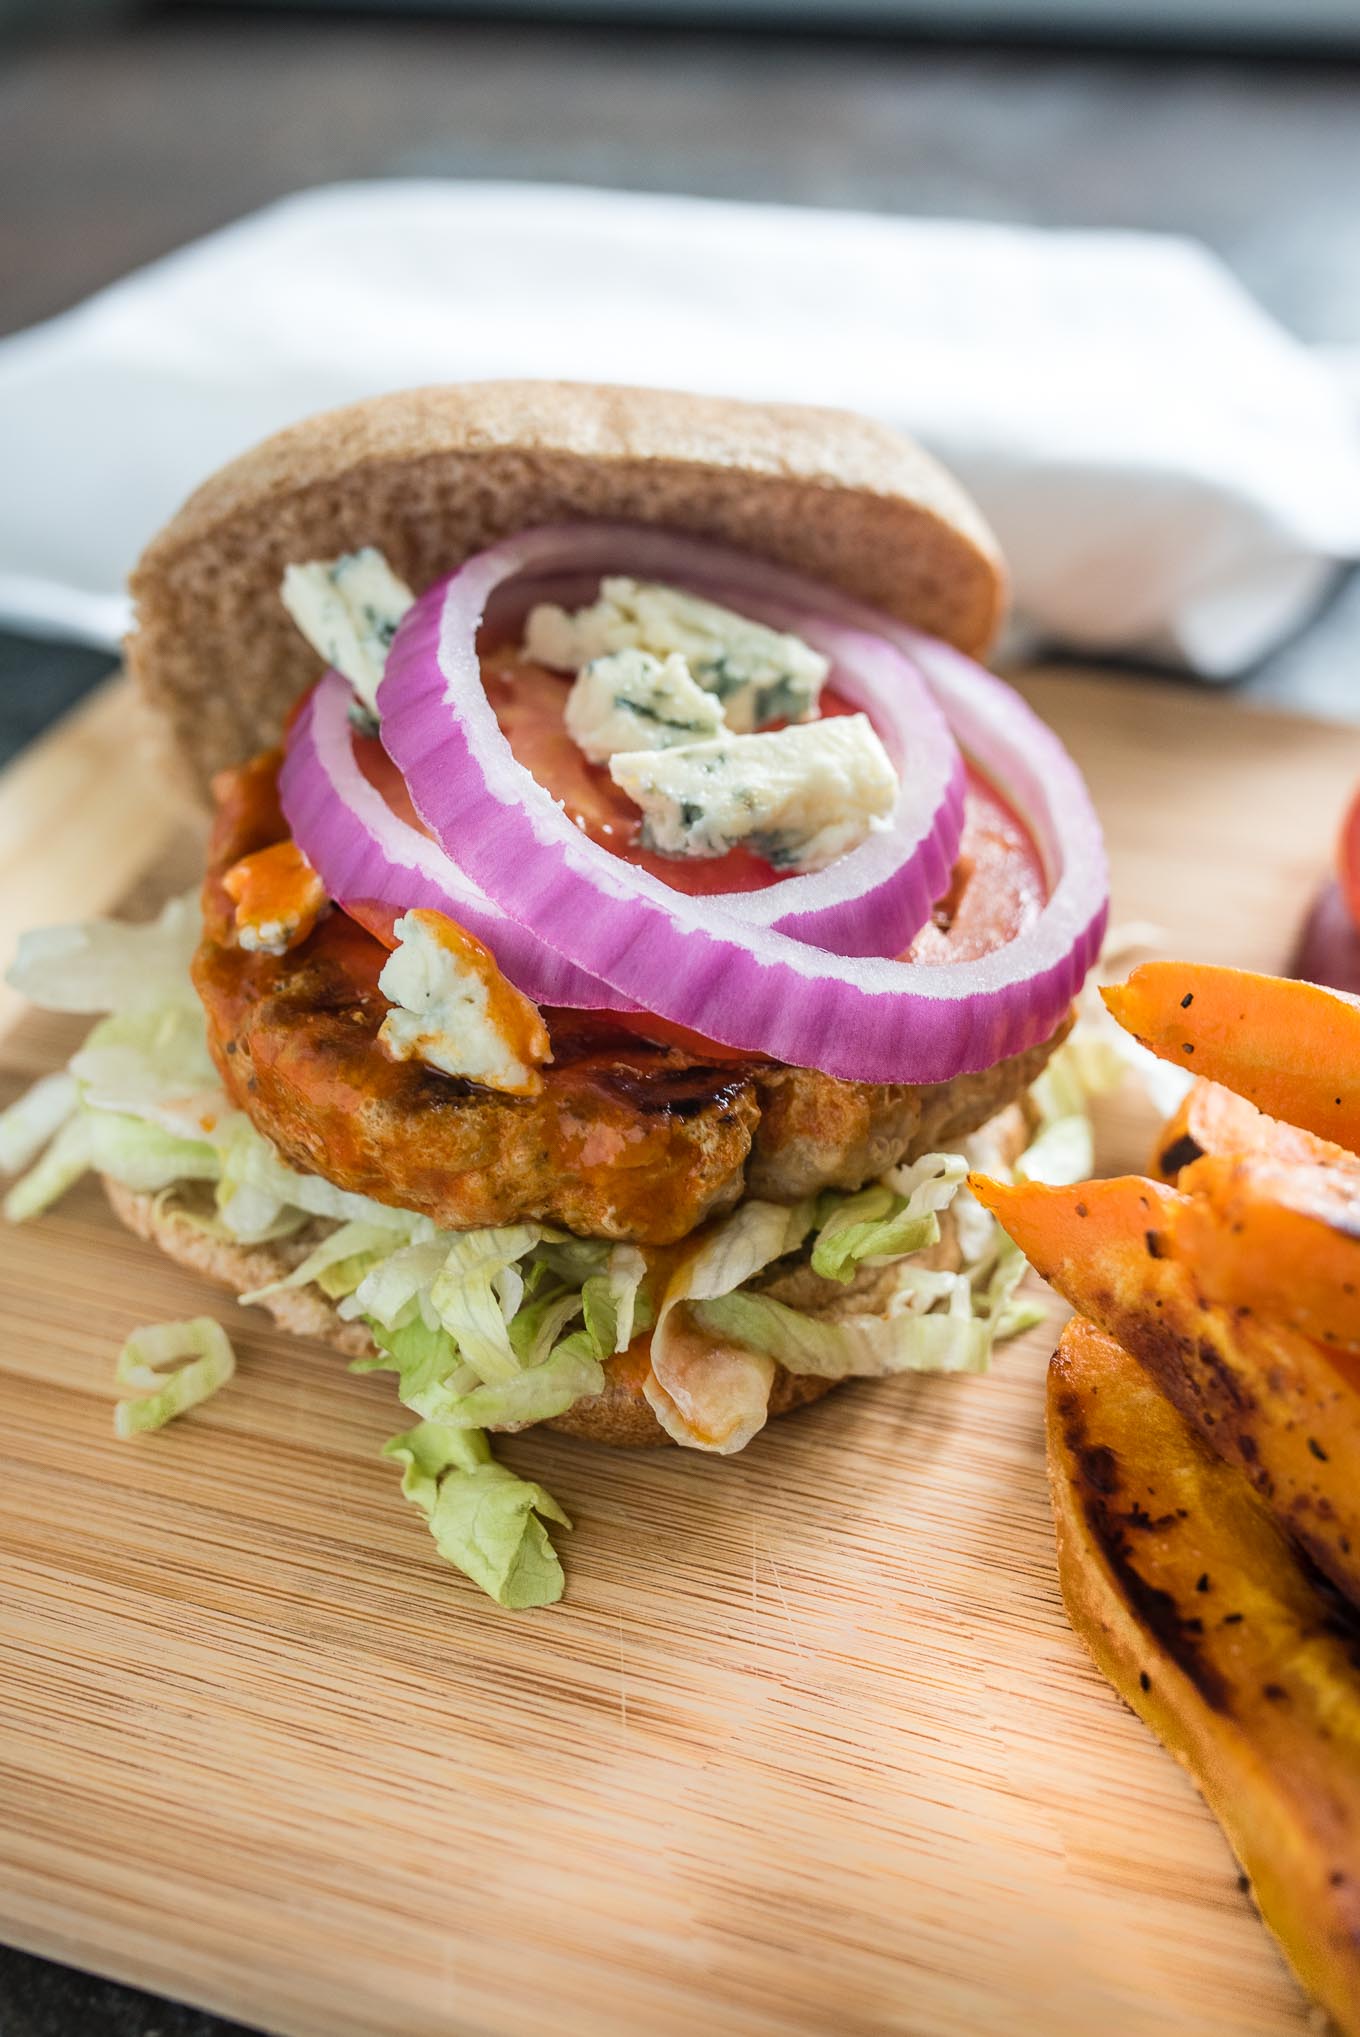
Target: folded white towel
{"x":1169,"y":473}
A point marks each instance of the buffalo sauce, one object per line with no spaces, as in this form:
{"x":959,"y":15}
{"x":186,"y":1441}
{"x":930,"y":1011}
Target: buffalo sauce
{"x":277,"y":895}
{"x":629,"y":1138}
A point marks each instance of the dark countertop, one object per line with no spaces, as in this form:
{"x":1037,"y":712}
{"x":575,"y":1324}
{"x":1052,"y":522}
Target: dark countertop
{"x":40,"y":1999}
{"x":116,"y":147}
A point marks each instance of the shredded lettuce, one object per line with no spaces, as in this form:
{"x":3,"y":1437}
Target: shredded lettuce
{"x":897,"y":1215}
{"x":615,"y":1307}
{"x":467,"y":1302}
{"x":61,"y":1166}
{"x":424,"y":1358}
{"x":514,"y":1324}
{"x":485,"y":1520}
{"x":397,"y":1285}
{"x":706,"y":1396}
{"x":569,"y":1373}
{"x":199,"y":1348}
{"x":108,"y":965}
{"x":337,"y":1265}
{"x":255,"y":1187}
{"x":1062,"y":1151}
{"x":191,"y":1214}
{"x":35,"y":1118}
{"x":154,"y":1064}
{"x":140,"y":1155}
{"x":908,"y":1331}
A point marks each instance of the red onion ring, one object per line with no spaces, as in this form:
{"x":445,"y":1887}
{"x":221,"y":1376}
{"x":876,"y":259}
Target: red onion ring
{"x":874,"y":899}
{"x":690,"y":960}
{"x":360,"y":849}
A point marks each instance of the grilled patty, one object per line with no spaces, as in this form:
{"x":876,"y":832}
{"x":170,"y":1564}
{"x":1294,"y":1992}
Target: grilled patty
{"x":629,"y":1139}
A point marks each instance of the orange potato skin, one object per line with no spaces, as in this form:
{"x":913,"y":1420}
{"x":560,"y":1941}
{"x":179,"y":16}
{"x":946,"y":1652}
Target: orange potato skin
{"x":1279,"y":1405}
{"x":1281,"y":1240}
{"x":1242,"y":1661}
{"x":1212,"y":1119}
{"x":1266,"y":1238}
{"x":1292,"y":1049}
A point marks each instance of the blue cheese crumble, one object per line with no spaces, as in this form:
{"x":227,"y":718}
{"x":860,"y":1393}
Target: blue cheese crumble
{"x":453,"y":1010}
{"x":629,"y":700}
{"x":348,"y":610}
{"x":760,"y":675}
{"x":800,"y":797}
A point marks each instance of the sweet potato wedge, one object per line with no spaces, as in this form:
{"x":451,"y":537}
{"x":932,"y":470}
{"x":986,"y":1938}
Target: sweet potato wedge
{"x":1280,"y":1239}
{"x":1215,"y":1120}
{"x":1292,"y":1049}
{"x":1277,"y":1242}
{"x":1240,"y":1658}
{"x":1279,"y":1405}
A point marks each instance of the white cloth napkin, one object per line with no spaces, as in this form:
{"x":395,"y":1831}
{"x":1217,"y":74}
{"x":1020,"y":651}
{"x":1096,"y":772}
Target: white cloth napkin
{"x":1169,"y":473}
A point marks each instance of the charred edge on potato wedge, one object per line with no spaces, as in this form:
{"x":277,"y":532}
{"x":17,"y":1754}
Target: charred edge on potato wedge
{"x":1276,"y":1404}
{"x":1241,"y":1657}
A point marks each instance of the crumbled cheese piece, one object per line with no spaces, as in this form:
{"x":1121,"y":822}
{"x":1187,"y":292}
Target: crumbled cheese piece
{"x":348,"y":610}
{"x":278,"y":897}
{"x":760,"y":675}
{"x":453,"y":1009}
{"x":799,"y":797}
{"x":629,"y":700}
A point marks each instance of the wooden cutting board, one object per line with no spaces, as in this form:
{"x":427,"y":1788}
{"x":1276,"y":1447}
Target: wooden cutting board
{"x":809,"y":1748}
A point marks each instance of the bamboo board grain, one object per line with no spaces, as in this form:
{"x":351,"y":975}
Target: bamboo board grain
{"x":809,"y":1748}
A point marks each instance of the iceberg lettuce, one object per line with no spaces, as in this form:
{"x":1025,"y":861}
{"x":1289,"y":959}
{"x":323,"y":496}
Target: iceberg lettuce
{"x":511,"y":1324}
{"x":707,"y":1396}
{"x":199,"y":1348}
{"x":887,"y":1220}
{"x":908,"y":1333}
{"x":140,"y":1155}
{"x":35,"y":1118}
{"x":485,"y":1520}
{"x":111,"y":965}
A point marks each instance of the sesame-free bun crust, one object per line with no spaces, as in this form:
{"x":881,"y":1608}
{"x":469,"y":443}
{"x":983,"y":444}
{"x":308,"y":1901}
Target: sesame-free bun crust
{"x":431,"y":476}
{"x":620,"y":1415}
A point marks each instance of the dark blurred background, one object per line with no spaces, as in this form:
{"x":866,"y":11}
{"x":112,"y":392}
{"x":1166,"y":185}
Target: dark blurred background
{"x":126,"y":131}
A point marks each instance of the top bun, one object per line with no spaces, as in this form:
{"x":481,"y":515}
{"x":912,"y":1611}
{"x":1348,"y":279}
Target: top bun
{"x":431,"y":476}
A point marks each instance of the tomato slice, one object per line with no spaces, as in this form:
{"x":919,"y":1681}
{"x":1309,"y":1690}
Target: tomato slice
{"x":1348,"y":859}
{"x":529,"y":702}
{"x":998,"y":885}
{"x":377,"y":919}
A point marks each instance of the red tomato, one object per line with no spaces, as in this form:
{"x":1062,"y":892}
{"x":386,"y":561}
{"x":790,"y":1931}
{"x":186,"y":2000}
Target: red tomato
{"x":1348,"y":859}
{"x":377,"y":919}
{"x":529,"y":703}
{"x":998,"y":885}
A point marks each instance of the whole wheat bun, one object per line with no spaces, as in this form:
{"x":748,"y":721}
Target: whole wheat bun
{"x":431,"y":476}
{"x":434,"y":475}
{"x":621,"y":1415}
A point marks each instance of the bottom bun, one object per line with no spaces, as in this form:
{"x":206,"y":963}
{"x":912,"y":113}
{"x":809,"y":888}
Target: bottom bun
{"x":621,"y":1415}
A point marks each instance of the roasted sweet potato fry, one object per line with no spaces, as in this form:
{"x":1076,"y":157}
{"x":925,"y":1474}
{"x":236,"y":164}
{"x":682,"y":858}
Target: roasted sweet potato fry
{"x":1278,"y":1242}
{"x":1214,"y":1120}
{"x":1282,"y":1240}
{"x":1240,"y":1658}
{"x":1293,"y":1049}
{"x":1276,"y":1403}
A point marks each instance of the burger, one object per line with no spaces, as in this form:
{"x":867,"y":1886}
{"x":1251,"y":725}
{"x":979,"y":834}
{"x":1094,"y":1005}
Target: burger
{"x":629,"y":910}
